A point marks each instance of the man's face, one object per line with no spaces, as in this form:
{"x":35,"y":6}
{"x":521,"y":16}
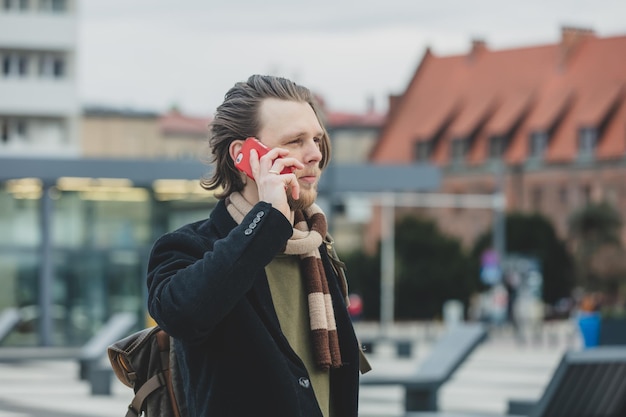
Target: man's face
{"x":293,"y":126}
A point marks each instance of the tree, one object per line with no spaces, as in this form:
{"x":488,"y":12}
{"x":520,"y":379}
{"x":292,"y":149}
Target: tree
{"x":534,"y":235}
{"x":598,"y":250}
{"x":431,"y":268}
{"x":363,"y":272}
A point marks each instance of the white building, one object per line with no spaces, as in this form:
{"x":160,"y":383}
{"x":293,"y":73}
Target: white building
{"x":39,"y":105}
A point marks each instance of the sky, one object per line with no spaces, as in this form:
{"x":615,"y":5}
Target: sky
{"x":155,"y":54}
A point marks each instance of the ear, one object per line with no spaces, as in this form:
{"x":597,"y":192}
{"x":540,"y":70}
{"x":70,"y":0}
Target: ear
{"x":234,"y":148}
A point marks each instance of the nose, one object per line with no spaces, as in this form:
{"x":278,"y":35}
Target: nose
{"x":312,"y":154}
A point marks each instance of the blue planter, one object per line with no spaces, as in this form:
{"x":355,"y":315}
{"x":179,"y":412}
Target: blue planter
{"x":589,"y":325}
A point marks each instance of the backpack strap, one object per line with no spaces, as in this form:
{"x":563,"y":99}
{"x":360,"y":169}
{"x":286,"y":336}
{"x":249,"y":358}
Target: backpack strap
{"x":163,"y":340}
{"x":157,"y":381}
{"x":151,"y":385}
{"x":338,"y":266}
{"x":340,"y":269}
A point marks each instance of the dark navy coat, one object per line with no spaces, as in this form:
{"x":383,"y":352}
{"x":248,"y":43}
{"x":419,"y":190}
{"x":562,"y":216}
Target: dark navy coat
{"x":208,"y":289}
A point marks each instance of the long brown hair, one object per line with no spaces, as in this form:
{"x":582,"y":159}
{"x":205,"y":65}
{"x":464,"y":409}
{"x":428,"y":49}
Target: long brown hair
{"x":238,"y":118}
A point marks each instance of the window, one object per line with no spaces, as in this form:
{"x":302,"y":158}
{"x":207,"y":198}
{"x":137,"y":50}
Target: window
{"x":20,"y":128}
{"x":587,"y":138}
{"x":20,"y":5}
{"x":13,"y":130}
{"x":458,"y":149}
{"x":51,"y":66}
{"x":52,"y":5}
{"x":58,"y":67}
{"x":58,"y":5}
{"x":538,"y":144}
{"x":22,"y":65}
{"x":14,"y":65}
{"x":563,"y":195}
{"x":497,"y":146}
{"x":536,"y":198}
{"x":6,"y":65}
{"x":422,"y":151}
{"x":4,"y":130}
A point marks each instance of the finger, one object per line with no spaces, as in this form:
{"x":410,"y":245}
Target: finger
{"x":281,"y":163}
{"x":254,"y":163}
{"x":295,"y":187}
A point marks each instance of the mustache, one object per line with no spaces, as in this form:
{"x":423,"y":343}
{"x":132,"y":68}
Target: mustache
{"x":309,"y":173}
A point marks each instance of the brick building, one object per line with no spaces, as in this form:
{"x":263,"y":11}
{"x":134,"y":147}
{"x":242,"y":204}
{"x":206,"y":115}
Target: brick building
{"x":550,"y":118}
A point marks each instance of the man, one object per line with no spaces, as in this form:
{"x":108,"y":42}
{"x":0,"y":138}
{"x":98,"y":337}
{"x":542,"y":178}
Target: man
{"x":253,"y":299}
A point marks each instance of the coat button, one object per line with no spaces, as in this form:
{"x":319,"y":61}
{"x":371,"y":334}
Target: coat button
{"x":260,"y":214}
{"x":252,"y":225}
{"x":247,"y":232}
{"x":304,"y":382}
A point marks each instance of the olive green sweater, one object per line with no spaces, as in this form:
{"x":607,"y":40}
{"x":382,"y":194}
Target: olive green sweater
{"x":290,"y":302}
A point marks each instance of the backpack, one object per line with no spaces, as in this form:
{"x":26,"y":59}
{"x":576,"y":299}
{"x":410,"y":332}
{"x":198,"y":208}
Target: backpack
{"x":144,"y":362}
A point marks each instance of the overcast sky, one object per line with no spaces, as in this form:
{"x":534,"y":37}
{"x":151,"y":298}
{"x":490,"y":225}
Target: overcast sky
{"x":151,"y":54}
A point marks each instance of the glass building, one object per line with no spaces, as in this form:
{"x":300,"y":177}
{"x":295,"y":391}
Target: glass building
{"x":75,"y":236}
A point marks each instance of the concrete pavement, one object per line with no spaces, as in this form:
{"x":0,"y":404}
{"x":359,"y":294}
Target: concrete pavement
{"x":502,"y":368}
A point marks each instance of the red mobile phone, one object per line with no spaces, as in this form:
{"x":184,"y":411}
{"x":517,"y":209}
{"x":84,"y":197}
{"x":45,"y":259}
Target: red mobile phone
{"x":242,"y":161}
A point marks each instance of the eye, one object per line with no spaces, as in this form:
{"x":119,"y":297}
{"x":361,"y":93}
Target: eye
{"x":318,"y":142}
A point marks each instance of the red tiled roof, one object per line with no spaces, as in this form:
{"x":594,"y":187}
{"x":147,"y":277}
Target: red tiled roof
{"x":175,"y":123}
{"x":580,"y":81}
{"x":512,"y":107}
{"x":336,"y":119}
{"x":595,"y":103}
{"x":548,"y":107}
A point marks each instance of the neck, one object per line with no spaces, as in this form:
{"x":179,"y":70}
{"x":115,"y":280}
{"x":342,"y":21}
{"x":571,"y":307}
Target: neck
{"x":250,"y":193}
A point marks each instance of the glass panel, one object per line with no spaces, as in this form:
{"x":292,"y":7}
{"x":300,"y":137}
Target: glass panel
{"x":458,"y":150}
{"x":19,"y":255}
{"x":90,"y":285}
{"x":19,"y":213}
{"x":101,"y":239}
{"x":422,"y":150}
{"x":538,"y":143}
{"x":587,"y":138}
{"x":497,"y":146}
{"x":19,"y":270}
{"x":104,"y":250}
{"x":86,"y":219}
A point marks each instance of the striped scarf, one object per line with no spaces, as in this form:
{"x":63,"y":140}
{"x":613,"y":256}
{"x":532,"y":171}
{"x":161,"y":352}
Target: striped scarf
{"x":308,"y":235}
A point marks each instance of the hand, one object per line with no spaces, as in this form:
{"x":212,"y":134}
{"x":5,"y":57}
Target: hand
{"x":271,"y":184}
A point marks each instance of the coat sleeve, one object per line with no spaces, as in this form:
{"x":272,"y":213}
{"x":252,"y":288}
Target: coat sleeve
{"x":195,"y":278}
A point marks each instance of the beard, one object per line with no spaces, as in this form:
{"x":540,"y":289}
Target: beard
{"x":307,"y":197}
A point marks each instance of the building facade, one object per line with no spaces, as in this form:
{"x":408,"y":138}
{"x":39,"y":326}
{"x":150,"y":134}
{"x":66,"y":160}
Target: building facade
{"x":118,"y":133}
{"x":39,"y":107}
{"x":546,"y":124}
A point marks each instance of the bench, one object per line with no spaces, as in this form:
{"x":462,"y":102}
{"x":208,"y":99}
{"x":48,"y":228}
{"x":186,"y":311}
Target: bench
{"x":403,"y":347}
{"x":447,"y":354}
{"x":118,"y":326}
{"x":591,"y":382}
{"x":9,"y":319}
